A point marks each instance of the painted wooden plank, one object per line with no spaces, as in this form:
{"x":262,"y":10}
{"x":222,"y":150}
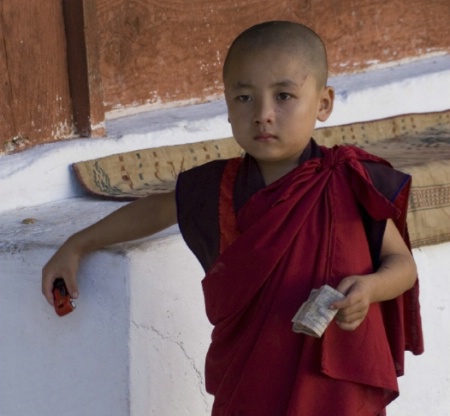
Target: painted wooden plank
{"x":154,"y":52}
{"x":7,"y":128}
{"x":36,"y":65}
{"x":84,"y":76}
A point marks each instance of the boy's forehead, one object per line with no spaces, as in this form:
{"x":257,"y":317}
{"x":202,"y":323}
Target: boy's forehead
{"x":284,"y":66}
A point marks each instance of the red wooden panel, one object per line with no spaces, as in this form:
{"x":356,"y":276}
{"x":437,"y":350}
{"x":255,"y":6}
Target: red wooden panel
{"x":7,"y":128}
{"x":158,"y":51}
{"x":34,"y":47}
{"x":170,"y":50}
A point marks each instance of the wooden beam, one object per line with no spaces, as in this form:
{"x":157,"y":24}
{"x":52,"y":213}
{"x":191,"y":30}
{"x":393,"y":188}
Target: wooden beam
{"x":84,"y":73}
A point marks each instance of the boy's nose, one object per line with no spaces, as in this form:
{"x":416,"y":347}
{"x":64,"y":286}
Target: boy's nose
{"x":264,"y":113}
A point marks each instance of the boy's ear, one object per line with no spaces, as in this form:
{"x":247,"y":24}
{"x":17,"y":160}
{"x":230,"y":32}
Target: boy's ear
{"x":326,"y":104}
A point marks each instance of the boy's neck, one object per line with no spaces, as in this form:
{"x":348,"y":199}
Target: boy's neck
{"x":272,"y":171}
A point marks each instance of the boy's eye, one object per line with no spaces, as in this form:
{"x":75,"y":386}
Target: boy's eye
{"x":283,"y":96}
{"x":243,"y":98}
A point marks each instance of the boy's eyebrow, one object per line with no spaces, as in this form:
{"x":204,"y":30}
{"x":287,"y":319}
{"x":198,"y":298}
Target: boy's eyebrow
{"x":289,"y":83}
{"x":241,"y":85}
{"x":283,"y":83}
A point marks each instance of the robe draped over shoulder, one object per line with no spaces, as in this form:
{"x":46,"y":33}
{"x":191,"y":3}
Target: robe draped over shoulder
{"x":304,"y":230}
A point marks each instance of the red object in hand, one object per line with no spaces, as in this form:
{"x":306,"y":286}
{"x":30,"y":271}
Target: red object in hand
{"x":62,"y":301}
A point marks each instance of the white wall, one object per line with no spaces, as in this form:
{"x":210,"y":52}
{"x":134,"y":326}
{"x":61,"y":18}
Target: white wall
{"x":136,"y":343}
{"x":424,"y":390}
{"x":72,"y":366}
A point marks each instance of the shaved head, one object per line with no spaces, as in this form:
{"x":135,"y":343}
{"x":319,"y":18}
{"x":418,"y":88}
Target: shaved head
{"x":289,"y":37}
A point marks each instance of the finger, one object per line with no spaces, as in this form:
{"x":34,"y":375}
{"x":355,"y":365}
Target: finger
{"x":47,"y":288}
{"x":349,"y":317}
{"x":350,"y":301}
{"x":350,"y":305}
{"x":341,"y":304}
{"x":72,"y":287}
{"x":345,"y":285}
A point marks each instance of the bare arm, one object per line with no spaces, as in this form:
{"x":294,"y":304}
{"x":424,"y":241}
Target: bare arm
{"x":396,"y":274}
{"x":139,"y":219}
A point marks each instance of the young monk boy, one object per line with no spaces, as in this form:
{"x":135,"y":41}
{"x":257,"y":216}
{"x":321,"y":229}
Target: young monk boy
{"x":268,"y":228}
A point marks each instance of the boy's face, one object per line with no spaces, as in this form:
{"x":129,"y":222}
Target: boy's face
{"x":273,"y":104}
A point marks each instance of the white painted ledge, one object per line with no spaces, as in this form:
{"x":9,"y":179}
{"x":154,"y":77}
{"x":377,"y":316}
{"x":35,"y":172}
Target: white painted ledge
{"x":135,"y":344}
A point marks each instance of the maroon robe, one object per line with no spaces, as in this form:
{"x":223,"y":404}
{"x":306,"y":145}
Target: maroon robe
{"x":301,"y":232}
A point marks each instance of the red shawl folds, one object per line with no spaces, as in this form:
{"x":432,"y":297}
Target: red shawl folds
{"x":301,"y":232}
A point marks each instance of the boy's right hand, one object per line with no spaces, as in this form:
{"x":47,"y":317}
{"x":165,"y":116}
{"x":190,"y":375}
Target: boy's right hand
{"x":64,"y":264}
{"x":129,"y":222}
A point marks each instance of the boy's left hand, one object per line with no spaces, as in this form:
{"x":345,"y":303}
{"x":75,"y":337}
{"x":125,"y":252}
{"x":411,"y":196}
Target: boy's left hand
{"x":354,"y":307}
{"x":396,"y":274}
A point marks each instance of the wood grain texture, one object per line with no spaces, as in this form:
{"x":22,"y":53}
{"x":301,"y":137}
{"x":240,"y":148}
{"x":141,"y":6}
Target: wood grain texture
{"x":359,"y":34}
{"x":34,"y":46}
{"x":159,"y":51}
{"x":162,"y":51}
{"x":94,"y":76}
{"x":84,"y":76}
{"x":7,"y":127}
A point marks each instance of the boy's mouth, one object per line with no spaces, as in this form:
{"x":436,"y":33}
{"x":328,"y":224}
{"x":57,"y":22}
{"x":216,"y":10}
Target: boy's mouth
{"x":263,"y":137}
